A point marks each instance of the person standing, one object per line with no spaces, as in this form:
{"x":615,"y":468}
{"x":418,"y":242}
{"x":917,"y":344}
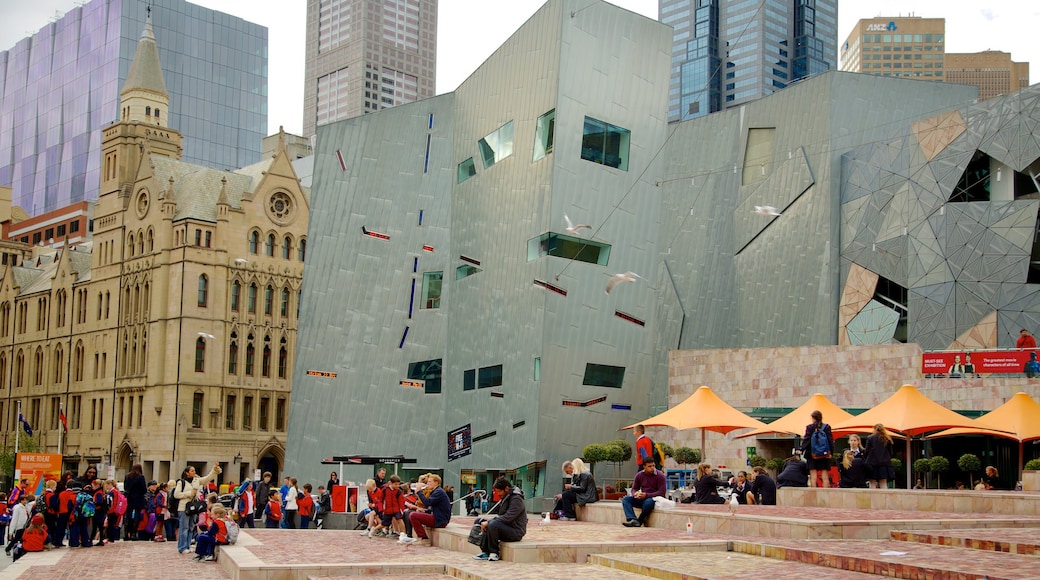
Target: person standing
{"x":1025,"y":340}
{"x":817,"y":447}
{"x":246,"y":505}
{"x":648,"y":484}
{"x":644,"y":446}
{"x":509,"y":526}
{"x":305,"y":505}
{"x":134,"y":488}
{"x":292,"y":498}
{"x":263,"y":491}
{"x":186,"y":490}
{"x":878,"y":456}
{"x":333,"y":480}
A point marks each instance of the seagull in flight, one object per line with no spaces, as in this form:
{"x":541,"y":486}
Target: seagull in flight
{"x":574,"y":229}
{"x":766,"y":210}
{"x":619,"y":278}
{"x":207,"y":335}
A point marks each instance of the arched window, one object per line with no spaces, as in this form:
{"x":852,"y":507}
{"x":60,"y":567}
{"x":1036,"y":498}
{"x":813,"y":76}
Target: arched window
{"x":144,"y":301}
{"x":266,"y":367}
{"x":250,"y":356}
{"x":140,"y":242}
{"x":19,"y":369}
{"x":78,"y":367}
{"x":151,"y":233}
{"x":236,"y":291}
{"x":254,"y":241}
{"x":285,"y":302}
{"x":3,"y":370}
{"x":157,"y":113}
{"x":147,"y":111}
{"x":200,"y":355}
{"x":283,"y":360}
{"x":130,"y":245}
{"x":302,"y":249}
{"x":269,"y":248}
{"x":144,"y":353}
{"x":252,"y":298}
{"x":268,"y":299}
{"x":59,"y":360}
{"x":286,"y":248}
{"x":38,"y":367}
{"x":203,"y":290}
{"x":232,"y":366}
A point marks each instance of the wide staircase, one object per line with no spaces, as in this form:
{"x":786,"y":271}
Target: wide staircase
{"x":826,"y":533}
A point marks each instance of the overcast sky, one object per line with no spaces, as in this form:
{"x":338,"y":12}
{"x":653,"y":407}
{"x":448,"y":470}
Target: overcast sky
{"x":470,"y":30}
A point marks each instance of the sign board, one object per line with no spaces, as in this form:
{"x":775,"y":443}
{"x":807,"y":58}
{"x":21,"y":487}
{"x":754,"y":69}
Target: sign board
{"x":38,"y":468}
{"x":411,"y":383}
{"x":971,"y":363}
{"x":460,"y":442}
{"x":326,"y":374}
{"x":752,"y":451}
{"x":257,"y":475}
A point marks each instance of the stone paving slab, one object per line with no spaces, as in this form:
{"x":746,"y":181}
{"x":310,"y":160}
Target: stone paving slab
{"x":719,"y":566}
{"x":917,"y":561}
{"x":124,"y":560}
{"x":1011,"y":540}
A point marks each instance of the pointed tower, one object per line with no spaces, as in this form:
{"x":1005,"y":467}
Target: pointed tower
{"x":144,"y":98}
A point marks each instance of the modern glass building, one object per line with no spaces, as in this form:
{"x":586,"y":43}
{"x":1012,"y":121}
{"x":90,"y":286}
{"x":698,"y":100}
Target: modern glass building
{"x":59,"y":87}
{"x":728,"y":52}
{"x":364,"y":55}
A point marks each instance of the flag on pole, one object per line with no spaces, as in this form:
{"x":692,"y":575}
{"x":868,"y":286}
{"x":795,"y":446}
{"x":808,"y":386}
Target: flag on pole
{"x":64,"y":420}
{"x":25,"y":424}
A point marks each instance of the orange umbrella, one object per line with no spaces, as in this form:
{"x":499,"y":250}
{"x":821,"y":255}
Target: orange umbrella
{"x":910,"y":413}
{"x":795,"y":421}
{"x":1020,"y":415}
{"x":702,"y":410}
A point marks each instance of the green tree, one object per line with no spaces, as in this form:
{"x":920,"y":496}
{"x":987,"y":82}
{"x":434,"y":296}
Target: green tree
{"x":757,"y":461}
{"x":971,"y":463}
{"x":897,"y":467}
{"x":922,"y":465}
{"x":593,"y":454}
{"x":667,"y":450}
{"x":939,"y":464}
{"x":615,"y":454}
{"x":685,"y":455}
{"x":626,"y":449}
{"x":775,"y":465}
{"x":1032,"y":465}
{"x":26,"y":444}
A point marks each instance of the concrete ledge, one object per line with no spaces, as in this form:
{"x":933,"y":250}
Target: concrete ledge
{"x":1012,"y":503}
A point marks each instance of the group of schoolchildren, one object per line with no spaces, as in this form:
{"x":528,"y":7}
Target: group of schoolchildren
{"x":288,"y":507}
{"x":405,"y":512}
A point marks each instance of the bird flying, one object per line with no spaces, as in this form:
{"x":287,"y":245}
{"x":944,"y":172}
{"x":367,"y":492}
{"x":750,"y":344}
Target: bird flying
{"x":207,"y":335}
{"x":574,"y":229}
{"x":766,"y":210}
{"x":619,"y":278}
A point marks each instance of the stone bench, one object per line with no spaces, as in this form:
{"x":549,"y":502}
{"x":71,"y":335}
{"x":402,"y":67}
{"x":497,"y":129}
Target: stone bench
{"x":1014,"y":503}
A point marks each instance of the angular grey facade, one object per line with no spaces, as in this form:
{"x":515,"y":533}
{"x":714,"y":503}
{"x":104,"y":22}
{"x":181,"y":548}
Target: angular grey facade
{"x":59,"y":87}
{"x":522,"y":344}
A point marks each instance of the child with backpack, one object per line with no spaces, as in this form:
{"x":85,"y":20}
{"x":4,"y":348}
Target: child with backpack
{"x":273,"y":510}
{"x":82,"y":514}
{"x":66,"y":509}
{"x":215,"y":535}
{"x":101,"y":508}
{"x":245,"y":505}
{"x":118,"y":504}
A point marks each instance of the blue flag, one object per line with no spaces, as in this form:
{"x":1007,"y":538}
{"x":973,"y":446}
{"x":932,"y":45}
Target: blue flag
{"x":25,"y":425}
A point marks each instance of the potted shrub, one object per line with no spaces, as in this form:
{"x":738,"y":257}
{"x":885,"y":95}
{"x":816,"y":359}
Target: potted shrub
{"x":921,"y":467}
{"x":971,"y":463}
{"x":897,"y":467}
{"x":775,"y":465}
{"x":1031,"y":475}
{"x":939,"y":464}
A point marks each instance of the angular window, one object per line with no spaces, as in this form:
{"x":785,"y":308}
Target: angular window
{"x":466,"y":170}
{"x":569,"y":247}
{"x":605,"y":144}
{"x":497,"y":145}
{"x":466,"y":270}
{"x":203,"y":290}
{"x":200,"y":355}
{"x":196,"y":411}
{"x":543,"y":135}
{"x":236,"y":291}
{"x":489,"y":377}
{"x":428,"y":371}
{"x":431,"y":289}
{"x":603,"y":376}
{"x":469,"y":380}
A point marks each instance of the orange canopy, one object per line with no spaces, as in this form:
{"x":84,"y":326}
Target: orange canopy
{"x":702,"y":410}
{"x":910,"y":413}
{"x":1020,"y":415}
{"x":795,"y":421}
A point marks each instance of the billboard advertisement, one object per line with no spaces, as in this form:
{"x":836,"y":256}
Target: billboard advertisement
{"x":38,"y":468}
{"x":965,"y":363}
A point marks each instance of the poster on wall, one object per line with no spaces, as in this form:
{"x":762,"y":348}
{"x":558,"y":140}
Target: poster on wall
{"x":969,"y":363}
{"x":38,"y":468}
{"x":460,"y":442}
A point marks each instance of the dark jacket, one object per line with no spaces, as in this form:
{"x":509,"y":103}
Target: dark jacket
{"x":584,"y":487}
{"x":807,"y":438}
{"x":134,"y":488}
{"x":855,"y":475}
{"x":440,"y":507}
{"x":794,"y":474}
{"x":741,"y":490}
{"x":706,"y":490}
{"x":263,"y":489}
{"x":764,"y":489}
{"x":878,"y":453}
{"x":512,"y":511}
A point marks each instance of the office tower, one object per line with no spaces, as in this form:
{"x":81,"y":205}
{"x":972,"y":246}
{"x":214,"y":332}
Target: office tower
{"x":992,"y":71}
{"x":909,"y":46}
{"x":367,"y":55}
{"x":726,"y":53}
{"x":59,"y":87}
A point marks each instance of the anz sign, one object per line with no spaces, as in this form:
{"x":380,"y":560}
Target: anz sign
{"x":890,"y":27}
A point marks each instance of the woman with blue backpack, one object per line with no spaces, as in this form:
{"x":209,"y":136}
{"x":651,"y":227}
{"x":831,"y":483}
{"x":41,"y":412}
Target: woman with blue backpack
{"x":817,"y":448}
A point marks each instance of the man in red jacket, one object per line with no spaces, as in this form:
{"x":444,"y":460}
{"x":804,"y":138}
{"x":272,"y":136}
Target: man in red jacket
{"x":1026,"y":340}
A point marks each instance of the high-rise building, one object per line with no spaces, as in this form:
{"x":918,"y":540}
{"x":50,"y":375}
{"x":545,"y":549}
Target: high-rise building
{"x":60,"y":86}
{"x":992,"y":71}
{"x":169,"y":338}
{"x":908,"y":46}
{"x":367,"y":55}
{"x":727,"y":52}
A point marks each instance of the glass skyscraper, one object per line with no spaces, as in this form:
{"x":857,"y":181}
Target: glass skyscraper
{"x":728,"y":52}
{"x":59,"y":87}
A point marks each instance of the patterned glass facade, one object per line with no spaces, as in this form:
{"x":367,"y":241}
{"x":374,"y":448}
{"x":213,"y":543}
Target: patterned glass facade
{"x":59,"y":87}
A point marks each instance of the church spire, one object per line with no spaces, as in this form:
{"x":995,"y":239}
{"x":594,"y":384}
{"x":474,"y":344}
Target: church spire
{"x":144,"y":98}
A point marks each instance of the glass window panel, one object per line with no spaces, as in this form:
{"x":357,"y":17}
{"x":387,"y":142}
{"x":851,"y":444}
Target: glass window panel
{"x":466,"y":270}
{"x":466,"y":170}
{"x":543,"y":136}
{"x":605,"y":144}
{"x":569,"y":247}
{"x":429,"y":371}
{"x":431,"y":290}
{"x":603,"y":376}
{"x":497,"y":145}
{"x":489,"y":377}
{"x":469,"y":380}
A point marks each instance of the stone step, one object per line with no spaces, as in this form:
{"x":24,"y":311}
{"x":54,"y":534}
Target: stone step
{"x":1009,"y":540}
{"x":916,"y":560}
{"x":717,"y":566}
{"x":1013,"y":503}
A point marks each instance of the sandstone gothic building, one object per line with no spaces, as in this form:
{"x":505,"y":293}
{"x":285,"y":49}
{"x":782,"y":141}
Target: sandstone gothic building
{"x":169,"y":339}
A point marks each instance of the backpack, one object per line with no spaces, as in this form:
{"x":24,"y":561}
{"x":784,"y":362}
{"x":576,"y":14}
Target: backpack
{"x":232,"y":531}
{"x":656,"y":453}
{"x":85,"y":505}
{"x":157,"y":503}
{"x":172,"y":503}
{"x":819,"y":446}
{"x":274,"y":511}
{"x":119,"y":502}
